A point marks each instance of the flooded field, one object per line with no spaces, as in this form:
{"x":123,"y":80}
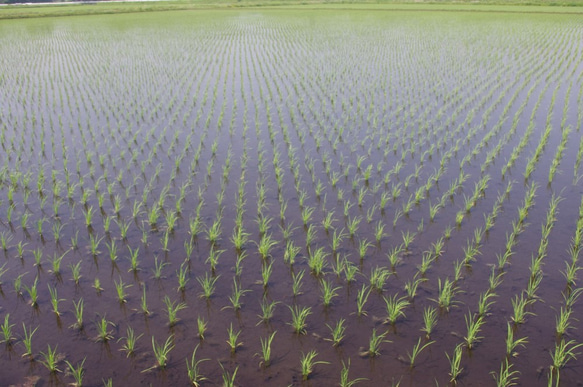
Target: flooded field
{"x":287,"y":197}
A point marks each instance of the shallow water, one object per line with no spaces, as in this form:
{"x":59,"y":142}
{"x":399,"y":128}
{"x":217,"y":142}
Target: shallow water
{"x":133,"y":107}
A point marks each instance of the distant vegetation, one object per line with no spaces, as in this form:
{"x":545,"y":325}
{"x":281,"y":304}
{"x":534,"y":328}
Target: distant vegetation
{"x":17,"y":11}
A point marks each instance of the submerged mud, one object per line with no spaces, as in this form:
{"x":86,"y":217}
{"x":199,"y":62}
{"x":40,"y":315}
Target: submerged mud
{"x":386,"y":154}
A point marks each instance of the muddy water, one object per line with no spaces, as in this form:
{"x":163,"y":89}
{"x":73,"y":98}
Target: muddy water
{"x":114,"y":116}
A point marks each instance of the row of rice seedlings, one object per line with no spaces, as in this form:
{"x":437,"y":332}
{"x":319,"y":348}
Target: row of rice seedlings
{"x":487,"y":299}
{"x":520,"y":305}
{"x":544,"y":138}
{"x":576,"y":176}
{"x":447,"y":291}
{"x":217,"y":237}
{"x":120,"y":281}
{"x":466,"y":159}
{"x":566,"y":350}
{"x":530,"y":128}
{"x":419,"y":195}
{"x":504,"y":140}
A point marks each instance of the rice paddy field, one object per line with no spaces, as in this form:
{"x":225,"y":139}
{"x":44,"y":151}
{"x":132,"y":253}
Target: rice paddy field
{"x":291,"y":197}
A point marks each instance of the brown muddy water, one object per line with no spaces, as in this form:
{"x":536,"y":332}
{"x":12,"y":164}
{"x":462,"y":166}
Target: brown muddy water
{"x":160,"y":136}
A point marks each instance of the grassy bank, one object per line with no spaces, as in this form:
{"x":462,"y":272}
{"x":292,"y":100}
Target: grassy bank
{"x":73,"y":9}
